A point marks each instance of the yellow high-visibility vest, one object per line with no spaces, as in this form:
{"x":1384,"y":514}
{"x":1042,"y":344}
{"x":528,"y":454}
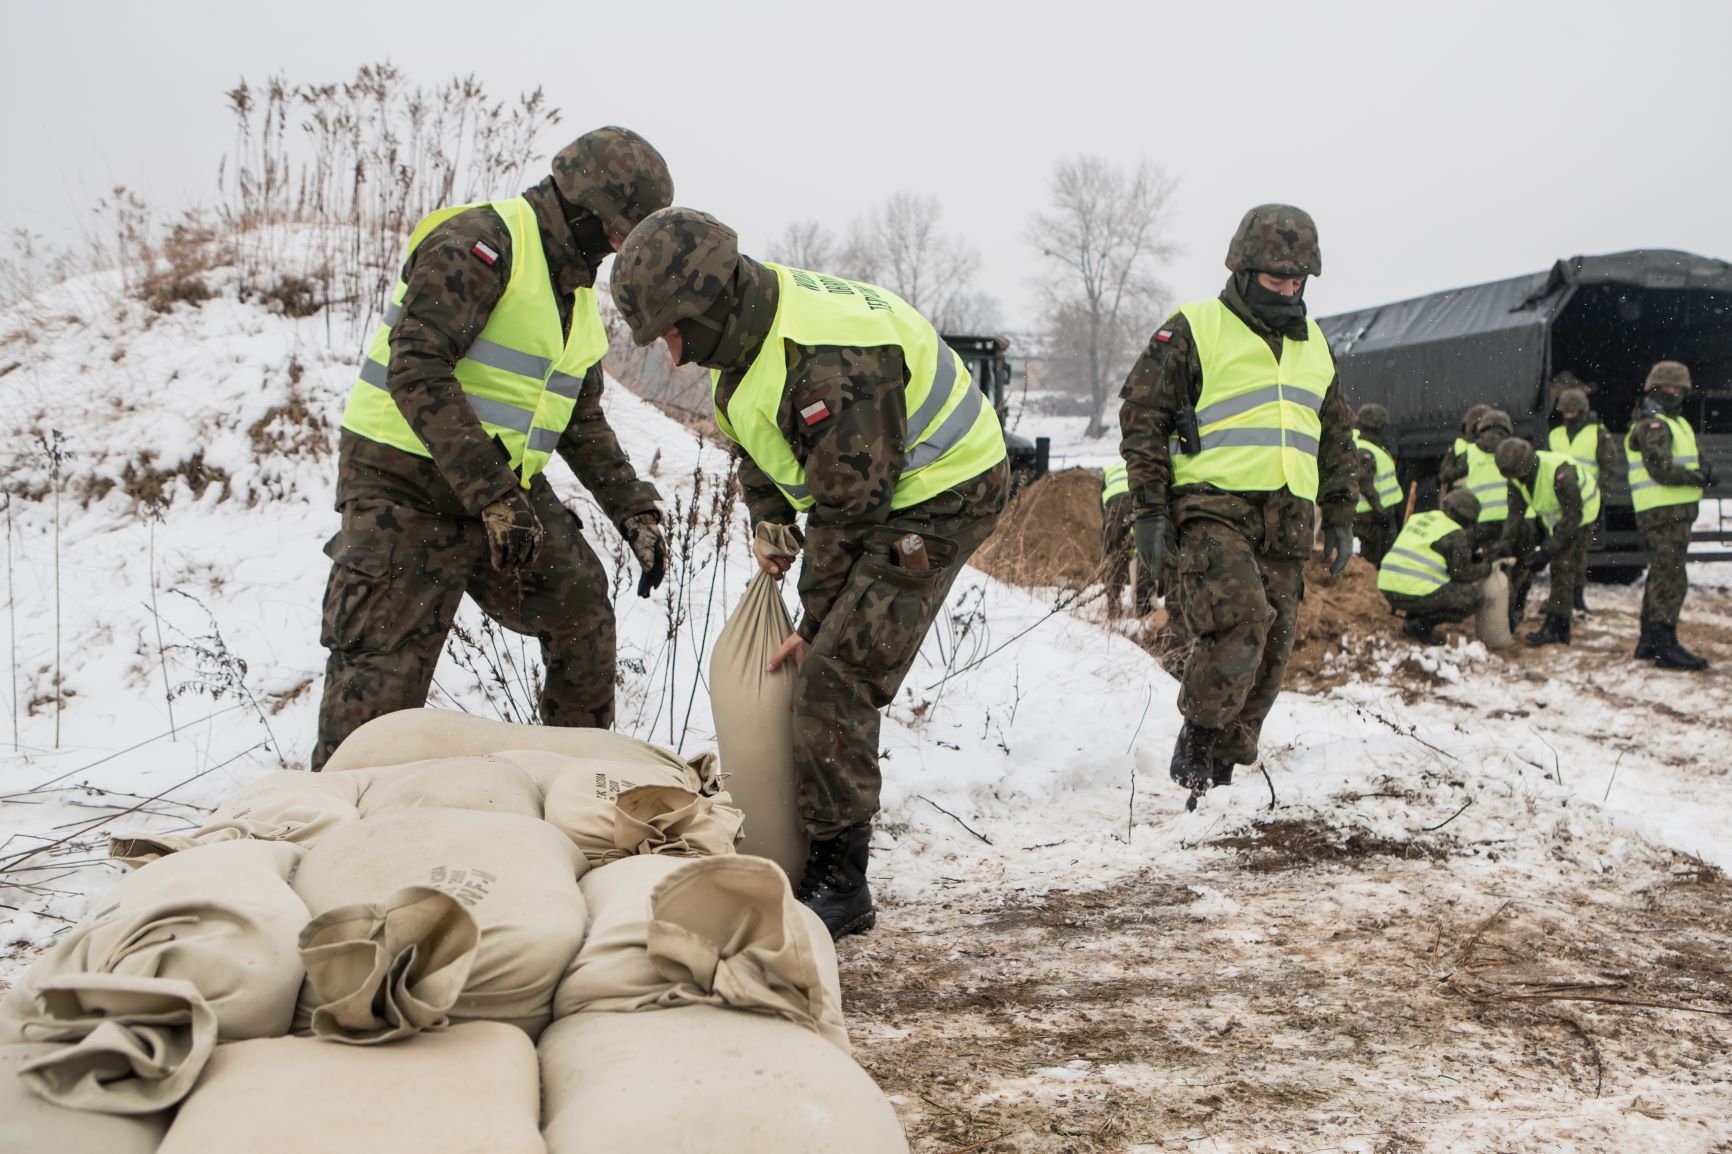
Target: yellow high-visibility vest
{"x":1490,"y":486}
{"x":953,"y":434}
{"x":1257,"y":417}
{"x":1386,"y":483}
{"x":1115,"y":481}
{"x":1413,"y":566}
{"x":1583,"y":448}
{"x":1543,"y":498}
{"x":1647,"y":493}
{"x":522,"y":373}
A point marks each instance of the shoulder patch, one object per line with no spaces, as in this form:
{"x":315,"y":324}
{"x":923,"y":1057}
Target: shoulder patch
{"x":487,"y":255}
{"x":815,"y":412}
{"x":1655,"y":425}
{"x":1164,"y":335}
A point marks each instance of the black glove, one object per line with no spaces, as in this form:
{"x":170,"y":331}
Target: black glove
{"x":1155,"y":541}
{"x":643,"y":532}
{"x":1540,"y":559}
{"x":513,"y":532}
{"x":1337,"y":547}
{"x":1708,"y":474}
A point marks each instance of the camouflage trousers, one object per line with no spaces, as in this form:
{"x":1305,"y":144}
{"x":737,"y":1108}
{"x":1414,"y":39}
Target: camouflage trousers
{"x":398,"y":575}
{"x":1666,"y":538}
{"x":1240,"y":605}
{"x":1456,"y":601}
{"x":1376,"y":533}
{"x":1117,"y":549}
{"x":867,"y":643}
{"x":1568,"y":569}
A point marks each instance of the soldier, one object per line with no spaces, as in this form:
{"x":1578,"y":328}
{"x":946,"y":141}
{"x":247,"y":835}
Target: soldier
{"x":1116,"y":543}
{"x":849,"y":407}
{"x":1501,"y":537}
{"x":477,"y":376}
{"x":1434,"y":571}
{"x":1377,"y":517}
{"x":1583,"y":439}
{"x":1567,"y":499}
{"x":1453,"y":467}
{"x":1236,"y":431}
{"x":1667,"y":477}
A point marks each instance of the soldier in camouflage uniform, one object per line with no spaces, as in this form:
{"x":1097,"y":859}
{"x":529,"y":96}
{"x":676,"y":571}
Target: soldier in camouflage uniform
{"x":1567,"y":506}
{"x":422,"y":526}
{"x":1241,"y":547}
{"x":1453,"y":466}
{"x":1668,"y":475}
{"x":1500,"y":533}
{"x":825,"y":425}
{"x":1580,"y":434}
{"x":1464,"y":564}
{"x":1377,"y":517}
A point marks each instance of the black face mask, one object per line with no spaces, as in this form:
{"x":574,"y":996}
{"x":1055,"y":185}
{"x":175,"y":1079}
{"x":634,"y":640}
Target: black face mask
{"x":1672,"y":404}
{"x":1283,"y":314}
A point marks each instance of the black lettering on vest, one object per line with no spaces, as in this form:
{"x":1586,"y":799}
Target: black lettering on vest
{"x":804,"y":279}
{"x":836,"y":285}
{"x":874,"y":301}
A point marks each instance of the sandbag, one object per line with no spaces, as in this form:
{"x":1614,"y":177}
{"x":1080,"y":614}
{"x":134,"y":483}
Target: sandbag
{"x":473,"y":1089}
{"x":492,"y":784}
{"x":515,"y":876}
{"x":288,"y":805}
{"x":702,"y":1078}
{"x":33,"y":1125}
{"x":754,"y":719}
{"x":197,"y":946}
{"x":1492,"y":623}
{"x":646,"y":819}
{"x":712,"y":931}
{"x":607,"y":779}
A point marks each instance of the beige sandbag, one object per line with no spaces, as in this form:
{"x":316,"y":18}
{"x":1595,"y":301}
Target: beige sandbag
{"x":646,"y":819}
{"x":473,"y":1089}
{"x":485,"y":783}
{"x":1492,"y":623}
{"x":288,"y":805}
{"x":606,"y":779}
{"x":196,"y":946}
{"x":754,"y":721}
{"x":33,"y":1125}
{"x":515,"y":876}
{"x":710,"y":931}
{"x":702,"y":1078}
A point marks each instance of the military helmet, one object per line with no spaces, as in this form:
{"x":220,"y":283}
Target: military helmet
{"x":1572,"y":402}
{"x":1461,"y":506}
{"x":616,"y":174}
{"x":1493,"y":419}
{"x":672,"y":267}
{"x":1470,"y":419}
{"x":1515,"y":457}
{"x":1667,"y":373}
{"x":1373,"y":418}
{"x":1277,"y":239}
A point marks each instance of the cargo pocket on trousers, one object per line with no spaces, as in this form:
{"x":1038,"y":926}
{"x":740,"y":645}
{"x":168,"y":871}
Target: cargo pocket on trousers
{"x":356,"y":593}
{"x":888,"y":618}
{"x":1204,"y":597}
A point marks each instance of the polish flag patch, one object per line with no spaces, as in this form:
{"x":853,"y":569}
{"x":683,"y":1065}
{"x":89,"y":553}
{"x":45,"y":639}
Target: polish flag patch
{"x":1164,"y":335}
{"x":487,"y":255}
{"x":814,"y":413}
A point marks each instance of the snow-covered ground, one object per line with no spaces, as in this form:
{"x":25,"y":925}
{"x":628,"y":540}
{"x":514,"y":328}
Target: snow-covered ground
{"x":1428,"y":811}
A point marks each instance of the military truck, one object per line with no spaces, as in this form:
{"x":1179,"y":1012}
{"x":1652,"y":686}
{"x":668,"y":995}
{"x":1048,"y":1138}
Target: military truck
{"x":1607,"y":319}
{"x":987,"y":363}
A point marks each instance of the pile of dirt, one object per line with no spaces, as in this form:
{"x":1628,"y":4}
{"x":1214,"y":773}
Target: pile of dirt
{"x":1050,"y":534}
{"x":1335,"y":607}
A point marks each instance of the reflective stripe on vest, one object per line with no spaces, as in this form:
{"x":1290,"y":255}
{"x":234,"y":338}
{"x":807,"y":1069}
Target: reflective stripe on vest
{"x":1647,"y":493}
{"x":1115,"y":481}
{"x":1258,"y":417}
{"x":953,"y":434}
{"x":1583,"y":448}
{"x":1384,"y":480}
{"x":521,"y":375}
{"x":1544,"y":496}
{"x":1490,"y":486}
{"x":1413,"y":567}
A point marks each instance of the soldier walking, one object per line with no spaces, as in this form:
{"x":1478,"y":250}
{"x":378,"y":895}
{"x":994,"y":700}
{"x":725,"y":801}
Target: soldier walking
{"x":1235,"y":433}
{"x":1377,"y":516}
{"x":1565,"y":496}
{"x":850,"y":408}
{"x":1434,"y":572}
{"x":1667,"y":478}
{"x":487,"y":363}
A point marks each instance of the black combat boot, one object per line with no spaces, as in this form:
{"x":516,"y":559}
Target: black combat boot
{"x":834,"y":886}
{"x":1645,"y":650}
{"x":1581,"y":602}
{"x":1421,"y":629}
{"x":1668,"y":654}
{"x":1193,"y":763}
{"x":1555,"y":631}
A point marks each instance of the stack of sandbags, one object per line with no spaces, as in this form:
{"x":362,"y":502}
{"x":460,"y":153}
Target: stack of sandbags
{"x":284,"y":806}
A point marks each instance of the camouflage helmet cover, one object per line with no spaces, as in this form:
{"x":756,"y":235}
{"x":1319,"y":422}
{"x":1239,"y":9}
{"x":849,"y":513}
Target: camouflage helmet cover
{"x":1470,"y":419}
{"x":616,"y":174}
{"x":1493,"y":419}
{"x":1572,"y":402}
{"x":1667,"y":373}
{"x":1373,"y":418}
{"x":1277,"y":239}
{"x":1515,"y":457}
{"x":1461,"y":506}
{"x":672,"y":267}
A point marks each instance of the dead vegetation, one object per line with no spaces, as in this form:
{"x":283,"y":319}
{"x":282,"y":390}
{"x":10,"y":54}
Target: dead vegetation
{"x":1050,"y":534}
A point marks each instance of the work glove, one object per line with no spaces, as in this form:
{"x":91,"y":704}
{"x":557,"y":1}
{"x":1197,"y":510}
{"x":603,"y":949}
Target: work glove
{"x":1337,"y":547}
{"x":1155,"y":541}
{"x":513,"y":532}
{"x":643,"y":532}
{"x":1708,"y":474}
{"x":1540,"y":559}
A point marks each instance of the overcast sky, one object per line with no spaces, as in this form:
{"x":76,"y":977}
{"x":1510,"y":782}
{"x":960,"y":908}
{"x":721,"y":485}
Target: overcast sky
{"x":1436,"y":144}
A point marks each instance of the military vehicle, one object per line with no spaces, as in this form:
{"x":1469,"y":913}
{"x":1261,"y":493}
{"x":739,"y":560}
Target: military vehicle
{"x":987,"y":363}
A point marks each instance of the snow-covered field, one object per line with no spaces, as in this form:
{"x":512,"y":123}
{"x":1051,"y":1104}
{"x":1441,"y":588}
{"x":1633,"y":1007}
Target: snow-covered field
{"x":1472,"y":901}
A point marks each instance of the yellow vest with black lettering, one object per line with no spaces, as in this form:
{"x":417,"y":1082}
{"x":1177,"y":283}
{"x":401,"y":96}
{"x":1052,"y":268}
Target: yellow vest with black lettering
{"x":1386,"y":483}
{"x":1257,"y":417}
{"x":1490,"y":486}
{"x":1413,"y":567}
{"x":1583,"y":448}
{"x":1543,"y":497}
{"x":1115,"y":481}
{"x":953,"y":434}
{"x":1647,"y":493}
{"x":521,"y":374}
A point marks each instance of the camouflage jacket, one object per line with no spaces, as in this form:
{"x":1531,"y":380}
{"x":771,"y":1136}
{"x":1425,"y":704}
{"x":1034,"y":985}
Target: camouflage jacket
{"x":1462,"y":557}
{"x":1607,"y":456}
{"x":450,"y":294}
{"x":1168,"y":374}
{"x":1569,"y":522}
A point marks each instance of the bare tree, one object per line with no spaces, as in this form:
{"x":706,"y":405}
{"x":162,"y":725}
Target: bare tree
{"x":1104,"y":235}
{"x":899,"y":245}
{"x":806,"y":244}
